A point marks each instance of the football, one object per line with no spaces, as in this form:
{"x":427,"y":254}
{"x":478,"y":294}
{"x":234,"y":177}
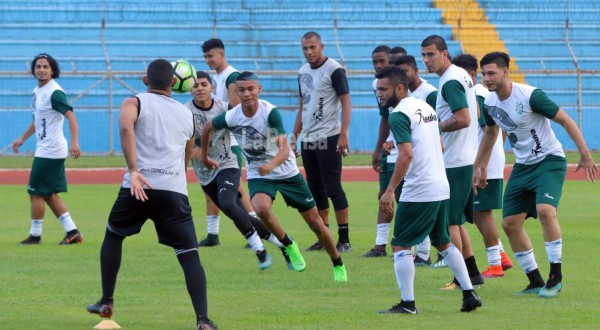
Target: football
{"x":185,"y":76}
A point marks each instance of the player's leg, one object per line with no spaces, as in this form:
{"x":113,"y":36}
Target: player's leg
{"x":213,"y":220}
{"x":59,"y":208}
{"x":312,"y":170}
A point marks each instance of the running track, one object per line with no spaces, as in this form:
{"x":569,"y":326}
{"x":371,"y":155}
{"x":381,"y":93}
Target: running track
{"x":115,"y":176}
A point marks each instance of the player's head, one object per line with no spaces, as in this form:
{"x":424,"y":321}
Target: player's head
{"x":214,"y":53}
{"x":202,"y":88}
{"x":159,"y":75}
{"x":392,"y":86}
{"x":312,"y":48}
{"x":380,"y":57}
{"x":248,"y":89}
{"x":494,"y":70}
{"x":435,"y":54}
{"x":396,"y":52}
{"x":469,"y":63}
{"x":408,"y":64}
{"x":44,"y":67}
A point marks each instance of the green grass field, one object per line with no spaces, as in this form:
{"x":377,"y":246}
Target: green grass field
{"x":48,"y":286}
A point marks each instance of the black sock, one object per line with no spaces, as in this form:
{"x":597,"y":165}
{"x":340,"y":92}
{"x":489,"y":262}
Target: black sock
{"x":110,"y":262}
{"x":535,"y":278}
{"x":337,"y":262}
{"x":195,"y":280}
{"x":555,"y":275}
{"x":472,"y":266}
{"x":286,"y":241}
{"x":343,"y":234}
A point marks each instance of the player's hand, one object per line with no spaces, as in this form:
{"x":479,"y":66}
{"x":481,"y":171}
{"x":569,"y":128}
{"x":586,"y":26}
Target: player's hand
{"x":587,"y":163}
{"x":376,"y":161}
{"x":137,"y":186}
{"x":265,"y":169}
{"x":74,"y":151}
{"x":294,"y":148}
{"x":196,"y":153}
{"x":343,"y":144}
{"x":210,"y":163}
{"x":16,"y":144}
{"x":387,"y":147}
{"x":479,"y":177}
{"x":386,"y":202}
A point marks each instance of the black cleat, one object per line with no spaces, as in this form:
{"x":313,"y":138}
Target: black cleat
{"x":343,"y":247}
{"x":205,"y":324}
{"x":470,"y":302}
{"x":31,"y":240}
{"x":477,"y":281}
{"x":72,"y":237}
{"x":210,"y":240}
{"x":375,"y":252}
{"x":104,"y":310}
{"x":315,"y":247}
{"x":420,"y":262}
{"x":404,"y":307}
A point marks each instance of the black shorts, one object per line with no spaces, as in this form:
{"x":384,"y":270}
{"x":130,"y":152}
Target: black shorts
{"x":170,"y":211}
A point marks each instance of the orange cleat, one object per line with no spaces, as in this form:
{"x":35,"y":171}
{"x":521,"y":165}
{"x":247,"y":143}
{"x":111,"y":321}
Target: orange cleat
{"x":493,"y":272}
{"x":505,"y":260}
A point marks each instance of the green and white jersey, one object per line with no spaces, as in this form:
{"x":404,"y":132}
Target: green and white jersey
{"x":524,"y":116}
{"x":456,"y":92}
{"x":219,"y":147}
{"x":48,"y":106}
{"x":320,"y":89}
{"x":495,"y":168}
{"x":425,"y":92}
{"x":162,"y":131}
{"x":414,"y":121}
{"x":257,"y":136}
{"x":221,"y":82}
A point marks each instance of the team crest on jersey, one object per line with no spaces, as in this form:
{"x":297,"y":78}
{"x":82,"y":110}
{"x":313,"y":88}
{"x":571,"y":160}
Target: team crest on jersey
{"x":306,"y":87}
{"x":520,"y":108}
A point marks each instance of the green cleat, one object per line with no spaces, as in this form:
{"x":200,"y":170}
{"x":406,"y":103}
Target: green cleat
{"x":340,"y":274}
{"x":264,"y":260}
{"x":531,"y":289}
{"x":552,"y":292}
{"x":296,"y":258}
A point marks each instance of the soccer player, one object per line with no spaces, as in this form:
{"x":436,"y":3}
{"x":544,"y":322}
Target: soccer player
{"x":47,"y":179}
{"x":221,"y":184}
{"x":535,"y":185}
{"x":422,"y":209}
{"x":456,"y":106}
{"x":224,"y":90}
{"x":324,"y":89}
{"x":395,"y":53}
{"x":490,"y":198}
{"x":257,"y":126}
{"x":157,"y":137}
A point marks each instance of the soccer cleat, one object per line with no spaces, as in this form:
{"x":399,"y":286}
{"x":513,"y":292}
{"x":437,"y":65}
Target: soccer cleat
{"x":102,"y":309}
{"x":532,"y":289}
{"x":287,"y":259}
{"x":552,"y":292}
{"x":210,"y":240}
{"x":374,"y":253}
{"x":420,"y":262}
{"x":402,"y":308}
{"x":493,"y":272}
{"x":31,"y":240}
{"x":505,"y":260}
{"x":296,"y":259}
{"x":471,"y":302}
{"x":477,"y":281}
{"x":315,"y":247}
{"x":340,"y":274}
{"x":264,"y":260}
{"x":440,"y":262}
{"x":451,"y":286}
{"x":72,"y":237}
{"x":343,"y":247}
{"x":204,"y":323}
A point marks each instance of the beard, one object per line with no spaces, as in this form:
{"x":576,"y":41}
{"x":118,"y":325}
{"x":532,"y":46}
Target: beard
{"x":392,"y":102}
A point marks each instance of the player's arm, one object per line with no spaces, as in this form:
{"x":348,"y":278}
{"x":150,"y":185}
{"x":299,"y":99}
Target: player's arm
{"x":339,"y":81}
{"x":275,"y":123}
{"x":490,"y":134}
{"x":218,"y":122}
{"x":401,"y":128}
{"x":297,"y":123}
{"x":384,"y":130}
{"x":74,"y":129}
{"x":586,"y":161}
{"x":454,"y":93}
{"x":234,"y":99}
{"x":189,"y":149}
{"x":19,"y":142}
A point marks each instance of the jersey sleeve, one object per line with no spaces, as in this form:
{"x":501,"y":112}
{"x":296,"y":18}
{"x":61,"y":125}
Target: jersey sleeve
{"x":400,"y":126}
{"x":339,"y":81}
{"x":220,"y":122}
{"x":231,"y":78}
{"x":454,"y":93}
{"x":542,"y":104}
{"x":488,"y":120}
{"x":275,"y":121}
{"x":481,"y":103}
{"x":59,"y":102}
{"x":431,"y":99}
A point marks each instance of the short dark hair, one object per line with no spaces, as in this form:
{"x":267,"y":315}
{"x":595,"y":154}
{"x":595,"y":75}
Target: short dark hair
{"x":381,"y":49}
{"x":395,"y":76}
{"x":436,"y":40}
{"x":53,"y":65}
{"x":501,"y":59}
{"x":247,"y":76}
{"x":203,"y":74}
{"x":398,"y":50}
{"x":160,"y":74}
{"x":212,"y":44}
{"x":407,"y":59}
{"x":466,"y":61}
{"x":311,"y":34}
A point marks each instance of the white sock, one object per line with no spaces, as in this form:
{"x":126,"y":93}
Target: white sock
{"x":456,"y":262}
{"x":493,"y":255}
{"x":383,"y":231}
{"x":212,"y":224}
{"x":423,"y":248}
{"x":404,"y":267}
{"x":256,"y":242}
{"x":500,"y":246}
{"x":67,"y":222}
{"x":252,"y":214}
{"x":273,"y":240}
{"x":36,"y":227}
{"x":554,"y":251}
{"x":527,"y":261}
